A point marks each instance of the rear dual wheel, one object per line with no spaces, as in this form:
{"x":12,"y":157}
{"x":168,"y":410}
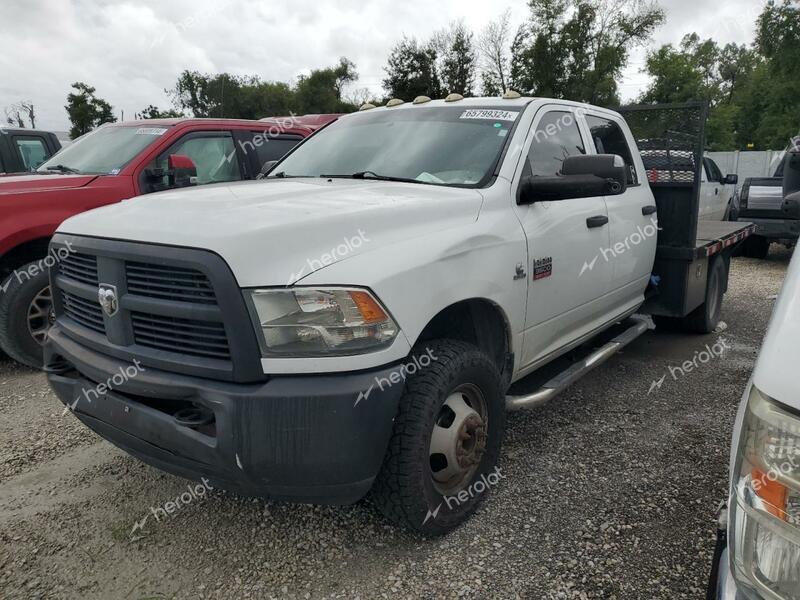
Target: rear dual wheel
{"x":441,"y":460}
{"x":706,"y":317}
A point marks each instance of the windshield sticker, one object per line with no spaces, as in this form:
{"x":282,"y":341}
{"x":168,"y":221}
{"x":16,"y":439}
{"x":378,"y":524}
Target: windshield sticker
{"x":493,"y":115}
{"x":502,"y":133}
{"x":114,"y":172}
{"x":151,"y":131}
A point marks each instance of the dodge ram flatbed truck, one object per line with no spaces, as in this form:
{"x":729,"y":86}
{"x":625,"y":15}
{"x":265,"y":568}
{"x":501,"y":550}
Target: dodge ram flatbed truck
{"x":115,"y":162}
{"x":360,"y":320}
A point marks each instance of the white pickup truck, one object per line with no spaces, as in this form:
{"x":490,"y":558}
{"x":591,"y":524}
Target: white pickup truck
{"x":759,"y":538}
{"x":352,"y":323}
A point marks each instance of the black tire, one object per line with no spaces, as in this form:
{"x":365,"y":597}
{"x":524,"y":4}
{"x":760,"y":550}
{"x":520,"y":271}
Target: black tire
{"x":705,"y":318}
{"x":757,"y":247}
{"x":23,"y":291}
{"x":406,"y":491}
{"x":667,"y":324}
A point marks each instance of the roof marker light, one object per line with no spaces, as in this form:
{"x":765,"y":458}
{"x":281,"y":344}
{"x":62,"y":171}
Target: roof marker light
{"x":395,"y":102}
{"x":421,"y":99}
{"x":454,"y":98}
{"x":366,"y":106}
{"x":511,"y":95}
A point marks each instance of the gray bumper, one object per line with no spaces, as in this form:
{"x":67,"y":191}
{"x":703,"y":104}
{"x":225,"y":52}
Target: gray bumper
{"x":726,"y":585}
{"x":775,"y":229}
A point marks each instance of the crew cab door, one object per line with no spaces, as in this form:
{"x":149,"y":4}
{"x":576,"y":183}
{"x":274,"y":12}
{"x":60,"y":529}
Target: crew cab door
{"x":713,"y":199}
{"x":633,"y":223}
{"x":567,"y":279}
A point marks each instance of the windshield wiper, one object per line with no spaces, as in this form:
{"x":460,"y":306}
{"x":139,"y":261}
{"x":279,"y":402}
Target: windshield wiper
{"x":374,"y":175}
{"x":61,"y":169}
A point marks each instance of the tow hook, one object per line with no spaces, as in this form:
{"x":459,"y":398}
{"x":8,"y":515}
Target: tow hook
{"x":193,"y":417}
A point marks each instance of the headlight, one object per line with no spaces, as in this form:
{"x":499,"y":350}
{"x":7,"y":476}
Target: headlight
{"x":320,"y":322}
{"x":765,"y":532}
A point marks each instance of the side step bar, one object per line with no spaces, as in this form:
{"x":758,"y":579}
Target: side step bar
{"x":636,"y":327}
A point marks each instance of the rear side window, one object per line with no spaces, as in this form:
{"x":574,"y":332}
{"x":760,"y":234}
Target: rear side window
{"x":714,"y":174}
{"x":556,"y":137}
{"x":610,"y":139}
{"x":32,"y":151}
{"x":272,"y":148}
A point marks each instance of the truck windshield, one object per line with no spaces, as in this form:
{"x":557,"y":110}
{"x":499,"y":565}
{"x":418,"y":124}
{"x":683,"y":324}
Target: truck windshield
{"x":104,"y":151}
{"x":453,"y":146}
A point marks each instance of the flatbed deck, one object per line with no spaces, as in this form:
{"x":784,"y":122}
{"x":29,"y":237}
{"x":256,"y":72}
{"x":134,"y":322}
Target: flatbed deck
{"x":712,"y":238}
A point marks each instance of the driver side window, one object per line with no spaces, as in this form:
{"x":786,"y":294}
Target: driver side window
{"x":556,"y":137}
{"x":214,"y":155}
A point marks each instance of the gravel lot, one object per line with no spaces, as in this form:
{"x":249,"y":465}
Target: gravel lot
{"x":609,"y":492}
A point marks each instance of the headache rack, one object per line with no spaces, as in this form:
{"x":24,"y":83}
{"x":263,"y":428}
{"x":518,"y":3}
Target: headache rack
{"x":671,"y":141}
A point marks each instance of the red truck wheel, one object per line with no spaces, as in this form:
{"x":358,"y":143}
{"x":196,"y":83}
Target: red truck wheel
{"x":26,"y":313}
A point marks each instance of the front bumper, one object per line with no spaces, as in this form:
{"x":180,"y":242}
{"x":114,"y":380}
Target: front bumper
{"x":774,"y":229}
{"x":296,"y":438}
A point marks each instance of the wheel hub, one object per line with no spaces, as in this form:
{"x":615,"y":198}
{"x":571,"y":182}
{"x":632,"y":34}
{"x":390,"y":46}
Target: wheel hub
{"x":41,"y":315}
{"x":458,"y":439}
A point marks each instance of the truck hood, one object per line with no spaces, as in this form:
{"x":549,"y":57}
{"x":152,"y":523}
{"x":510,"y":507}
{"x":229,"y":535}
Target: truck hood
{"x":276,"y":232}
{"x":31,"y":182}
{"x":780,"y":354}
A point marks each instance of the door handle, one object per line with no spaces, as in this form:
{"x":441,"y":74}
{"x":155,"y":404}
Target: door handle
{"x":649,"y":210}
{"x":716,"y":191}
{"x":597,"y":221}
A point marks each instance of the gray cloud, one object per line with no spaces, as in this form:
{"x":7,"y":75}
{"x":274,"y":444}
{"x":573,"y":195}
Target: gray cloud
{"x":130,"y":51}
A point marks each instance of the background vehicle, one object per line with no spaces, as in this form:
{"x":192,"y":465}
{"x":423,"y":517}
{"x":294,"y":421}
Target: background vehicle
{"x":716,"y":190}
{"x":758,"y":549}
{"x":113,"y":163}
{"x":773,"y":204}
{"x":25,"y":149}
{"x":475,"y":242}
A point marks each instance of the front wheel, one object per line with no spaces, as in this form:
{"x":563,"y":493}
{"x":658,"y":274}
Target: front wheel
{"x":26,"y":314}
{"x":441,"y":461}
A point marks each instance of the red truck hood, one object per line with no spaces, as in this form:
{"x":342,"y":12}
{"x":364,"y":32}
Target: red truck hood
{"x":11,"y":184}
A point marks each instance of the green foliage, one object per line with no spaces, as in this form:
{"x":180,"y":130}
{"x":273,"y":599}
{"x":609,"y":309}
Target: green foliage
{"x":86,"y":111}
{"x":153,"y":112}
{"x":577,"y":49}
{"x":412,"y":71}
{"x":754,"y":92}
{"x":230,"y":96}
{"x":459,"y":60}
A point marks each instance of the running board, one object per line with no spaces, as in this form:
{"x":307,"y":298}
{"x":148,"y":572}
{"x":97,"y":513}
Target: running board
{"x":635,"y":328}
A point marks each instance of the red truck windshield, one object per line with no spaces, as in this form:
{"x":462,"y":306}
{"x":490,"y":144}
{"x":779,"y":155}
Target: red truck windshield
{"x":104,"y":151}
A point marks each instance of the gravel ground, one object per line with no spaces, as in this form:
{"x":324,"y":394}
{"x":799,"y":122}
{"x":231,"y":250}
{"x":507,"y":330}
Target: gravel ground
{"x":609,"y":492}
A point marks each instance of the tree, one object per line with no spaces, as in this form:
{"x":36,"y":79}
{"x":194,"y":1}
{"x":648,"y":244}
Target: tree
{"x":152,"y":112}
{"x":15,"y":114}
{"x":321,"y":91}
{"x":577,"y":49}
{"x":86,"y":111}
{"x":493,"y":50}
{"x":248,"y":97}
{"x":457,"y":59}
{"x":411,"y":71}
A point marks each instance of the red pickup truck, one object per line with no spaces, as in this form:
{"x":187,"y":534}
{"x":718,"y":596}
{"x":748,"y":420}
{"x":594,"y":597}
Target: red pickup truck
{"x":110,"y":164}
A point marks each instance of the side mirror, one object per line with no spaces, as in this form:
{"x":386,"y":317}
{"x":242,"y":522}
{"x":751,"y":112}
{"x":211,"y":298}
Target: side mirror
{"x":182,"y":171}
{"x":581,"y":177}
{"x":266,"y":168}
{"x":731,"y":180}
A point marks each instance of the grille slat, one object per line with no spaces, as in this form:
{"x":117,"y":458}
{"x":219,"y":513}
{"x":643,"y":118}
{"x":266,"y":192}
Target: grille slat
{"x":184,"y":336}
{"x":79,"y":267}
{"x":169,"y":283}
{"x":83,"y":312}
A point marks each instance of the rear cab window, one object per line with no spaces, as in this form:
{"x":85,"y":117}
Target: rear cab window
{"x":32,"y":151}
{"x":609,"y":138}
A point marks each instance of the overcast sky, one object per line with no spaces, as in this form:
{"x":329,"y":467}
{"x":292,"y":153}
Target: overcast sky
{"x":130,"y":51}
